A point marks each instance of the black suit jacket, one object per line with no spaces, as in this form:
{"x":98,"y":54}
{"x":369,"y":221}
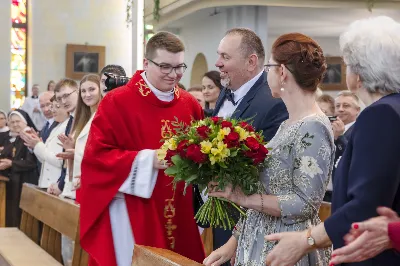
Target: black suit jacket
{"x":341,"y":144}
{"x":368,"y":174}
{"x":266,"y":112}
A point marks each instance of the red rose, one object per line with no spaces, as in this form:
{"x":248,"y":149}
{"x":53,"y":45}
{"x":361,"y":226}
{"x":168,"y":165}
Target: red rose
{"x":246,"y":126}
{"x":182,"y":145}
{"x":170,"y":154}
{"x":181,"y":148}
{"x":232,"y":140}
{"x":216,"y":119}
{"x":252,"y":143}
{"x":203,"y":131}
{"x":260,"y":155}
{"x":226,"y":124}
{"x":194,"y":153}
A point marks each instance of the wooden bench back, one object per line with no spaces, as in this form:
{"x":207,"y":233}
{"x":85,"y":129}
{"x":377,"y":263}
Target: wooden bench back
{"x":59,"y":217}
{"x":324,"y":211}
{"x":3,"y":181}
{"x":148,"y":256}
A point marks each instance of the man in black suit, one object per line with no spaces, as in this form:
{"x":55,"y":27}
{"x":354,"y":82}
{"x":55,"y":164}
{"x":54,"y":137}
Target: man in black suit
{"x":347,"y":108}
{"x":246,"y":95}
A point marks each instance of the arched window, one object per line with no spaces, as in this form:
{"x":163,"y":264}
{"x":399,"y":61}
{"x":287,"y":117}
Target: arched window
{"x":19,"y":31}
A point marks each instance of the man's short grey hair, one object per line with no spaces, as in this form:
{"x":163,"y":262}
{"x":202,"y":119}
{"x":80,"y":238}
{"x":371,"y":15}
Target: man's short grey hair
{"x":371,"y":48}
{"x":50,"y":93}
{"x":350,"y":94}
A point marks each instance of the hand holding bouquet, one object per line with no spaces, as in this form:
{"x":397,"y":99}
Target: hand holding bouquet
{"x":223,"y":152}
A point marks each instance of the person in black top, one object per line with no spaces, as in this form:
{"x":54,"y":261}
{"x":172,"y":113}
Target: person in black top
{"x":18,"y":164}
{"x":212,"y":87}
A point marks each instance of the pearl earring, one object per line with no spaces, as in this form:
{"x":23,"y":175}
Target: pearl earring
{"x":282,"y":89}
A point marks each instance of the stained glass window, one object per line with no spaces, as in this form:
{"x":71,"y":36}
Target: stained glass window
{"x":18,"y":52}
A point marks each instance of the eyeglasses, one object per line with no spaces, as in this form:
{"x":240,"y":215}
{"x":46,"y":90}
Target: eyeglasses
{"x":167,"y":69}
{"x":64,"y":97}
{"x":267,"y":67}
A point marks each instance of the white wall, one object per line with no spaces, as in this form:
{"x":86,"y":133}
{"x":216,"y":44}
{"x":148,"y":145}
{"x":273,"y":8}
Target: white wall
{"x":5,"y":54}
{"x":202,"y":33}
{"x":95,"y":22}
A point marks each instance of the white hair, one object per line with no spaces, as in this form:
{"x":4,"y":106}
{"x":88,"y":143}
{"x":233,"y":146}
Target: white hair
{"x":50,"y":93}
{"x":371,"y":48}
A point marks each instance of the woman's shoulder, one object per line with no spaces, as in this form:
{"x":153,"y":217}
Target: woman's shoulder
{"x":317,"y":126}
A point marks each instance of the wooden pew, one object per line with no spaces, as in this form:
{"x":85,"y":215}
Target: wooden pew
{"x":149,"y":256}
{"x":3,"y":181}
{"x":58,"y":216}
{"x":324,"y":211}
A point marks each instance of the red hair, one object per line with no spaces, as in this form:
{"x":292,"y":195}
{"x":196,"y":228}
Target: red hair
{"x":303,"y":57}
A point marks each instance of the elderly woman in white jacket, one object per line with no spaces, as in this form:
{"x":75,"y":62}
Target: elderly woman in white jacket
{"x":46,"y":152}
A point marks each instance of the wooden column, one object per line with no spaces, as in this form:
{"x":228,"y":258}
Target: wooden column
{"x":3,"y":181}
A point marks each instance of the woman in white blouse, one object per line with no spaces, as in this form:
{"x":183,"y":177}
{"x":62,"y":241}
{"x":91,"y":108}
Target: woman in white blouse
{"x":74,"y":145}
{"x":46,"y":152}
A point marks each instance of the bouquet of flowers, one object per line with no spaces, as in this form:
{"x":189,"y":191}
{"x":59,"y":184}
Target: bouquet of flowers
{"x":226,"y":151}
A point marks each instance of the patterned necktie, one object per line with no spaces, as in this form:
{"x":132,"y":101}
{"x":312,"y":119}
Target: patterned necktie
{"x":230,"y":96}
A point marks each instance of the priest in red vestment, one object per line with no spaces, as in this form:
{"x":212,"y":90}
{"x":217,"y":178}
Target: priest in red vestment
{"x":126,"y":198}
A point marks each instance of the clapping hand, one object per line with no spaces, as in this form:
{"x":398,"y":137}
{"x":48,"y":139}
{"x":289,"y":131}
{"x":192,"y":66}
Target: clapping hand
{"x":68,"y":154}
{"x":366,"y":239}
{"x":67,"y":142}
{"x":30,"y":138}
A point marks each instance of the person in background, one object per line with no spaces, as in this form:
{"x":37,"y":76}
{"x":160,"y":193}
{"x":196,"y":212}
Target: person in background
{"x":116,"y":70}
{"x":46,"y":151}
{"x":32,"y":107}
{"x":66,"y":94}
{"x":212,"y":87}
{"x":196,"y":92}
{"x":51,"y":85}
{"x":327,"y":104}
{"x":4,"y":129}
{"x":368,"y":175}
{"x":18,"y":164}
{"x":46,"y":107}
{"x":89,"y":98}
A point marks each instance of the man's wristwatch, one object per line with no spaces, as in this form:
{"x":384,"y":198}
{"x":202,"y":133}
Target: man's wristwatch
{"x":310,"y":239}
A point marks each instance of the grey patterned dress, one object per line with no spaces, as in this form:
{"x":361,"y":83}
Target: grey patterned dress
{"x":299,"y":168}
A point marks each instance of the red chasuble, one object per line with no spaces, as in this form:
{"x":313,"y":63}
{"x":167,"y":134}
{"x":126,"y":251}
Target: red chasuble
{"x":128,"y":120}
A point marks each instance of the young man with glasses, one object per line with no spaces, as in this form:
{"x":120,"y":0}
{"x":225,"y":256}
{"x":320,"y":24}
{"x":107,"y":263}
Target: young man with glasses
{"x":66,"y":95}
{"x":126,"y":197}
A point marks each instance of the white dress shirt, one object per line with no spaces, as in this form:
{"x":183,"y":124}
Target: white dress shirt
{"x":346,"y":127}
{"x":227,"y":108}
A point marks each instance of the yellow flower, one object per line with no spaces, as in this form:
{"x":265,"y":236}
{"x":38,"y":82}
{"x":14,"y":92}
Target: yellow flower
{"x":223,"y":132}
{"x":220,"y":152}
{"x":191,"y":140}
{"x":212,"y":159}
{"x":206,"y":147}
{"x":171,"y":144}
{"x":161,"y":153}
{"x":243,"y":134}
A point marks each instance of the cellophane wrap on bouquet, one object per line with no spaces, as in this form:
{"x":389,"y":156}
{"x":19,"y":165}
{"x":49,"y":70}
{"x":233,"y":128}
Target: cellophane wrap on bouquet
{"x":226,"y":151}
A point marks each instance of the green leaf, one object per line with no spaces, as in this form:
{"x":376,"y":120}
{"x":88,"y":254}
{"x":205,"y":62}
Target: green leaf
{"x":177,"y":160}
{"x":191,"y":179}
{"x":172,"y":170}
{"x":234,"y":153}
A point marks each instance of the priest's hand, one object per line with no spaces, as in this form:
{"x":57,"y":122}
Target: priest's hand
{"x":68,"y":154}
{"x":235,"y":195}
{"x":223,"y":254}
{"x":68,"y":142}
{"x":5,"y":164}
{"x":157,"y":164}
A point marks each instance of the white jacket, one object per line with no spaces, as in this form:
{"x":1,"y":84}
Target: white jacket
{"x":46,"y":154}
{"x":80,"y":145}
